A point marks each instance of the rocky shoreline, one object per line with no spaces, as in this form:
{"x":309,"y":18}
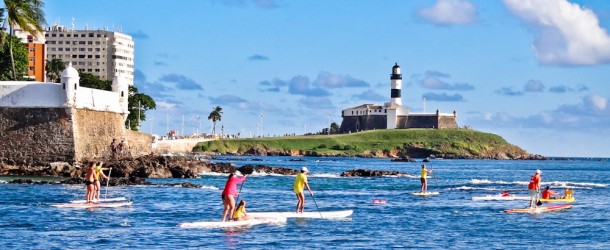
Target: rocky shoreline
{"x":135,"y":171}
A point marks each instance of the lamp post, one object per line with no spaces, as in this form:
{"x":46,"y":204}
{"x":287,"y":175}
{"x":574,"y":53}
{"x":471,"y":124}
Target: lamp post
{"x":328,"y":132}
{"x":262,"y":125}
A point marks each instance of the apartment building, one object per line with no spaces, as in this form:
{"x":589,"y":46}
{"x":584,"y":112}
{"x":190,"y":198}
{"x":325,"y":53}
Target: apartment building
{"x":99,"y":52}
{"x":36,"y":54}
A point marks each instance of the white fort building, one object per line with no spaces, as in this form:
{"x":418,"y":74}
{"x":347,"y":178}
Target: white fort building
{"x":392,"y":115}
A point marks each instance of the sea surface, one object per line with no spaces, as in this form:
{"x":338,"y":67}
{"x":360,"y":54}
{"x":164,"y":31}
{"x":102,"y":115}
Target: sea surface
{"x":450,"y":220}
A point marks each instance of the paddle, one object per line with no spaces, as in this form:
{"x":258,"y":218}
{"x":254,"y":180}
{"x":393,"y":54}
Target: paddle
{"x":249,"y":171}
{"x":314,"y":202}
{"x":107,"y":182}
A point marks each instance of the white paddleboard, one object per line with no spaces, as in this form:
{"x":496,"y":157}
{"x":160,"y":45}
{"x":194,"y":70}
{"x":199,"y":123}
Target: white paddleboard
{"x":500,"y":198}
{"x":229,"y":224}
{"x":90,"y":205}
{"x":325,"y":214}
{"x":100,"y":201}
{"x":425,"y":193}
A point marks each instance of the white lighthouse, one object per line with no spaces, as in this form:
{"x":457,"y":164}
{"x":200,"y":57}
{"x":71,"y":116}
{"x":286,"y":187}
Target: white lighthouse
{"x":396,"y":80}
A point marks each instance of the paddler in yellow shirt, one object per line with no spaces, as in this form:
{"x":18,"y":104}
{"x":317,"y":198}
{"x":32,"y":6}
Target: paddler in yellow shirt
{"x":240,"y":212}
{"x":300,"y":183}
{"x":424,"y":178}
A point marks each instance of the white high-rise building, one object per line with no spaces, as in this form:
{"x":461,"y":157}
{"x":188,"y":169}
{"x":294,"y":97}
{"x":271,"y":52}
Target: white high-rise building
{"x":100,"y":52}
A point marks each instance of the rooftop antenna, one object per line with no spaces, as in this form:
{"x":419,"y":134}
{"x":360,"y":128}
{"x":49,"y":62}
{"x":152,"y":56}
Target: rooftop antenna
{"x":73,"y":24}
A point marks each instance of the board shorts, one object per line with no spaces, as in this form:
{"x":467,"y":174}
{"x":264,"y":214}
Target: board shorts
{"x":533,"y":194}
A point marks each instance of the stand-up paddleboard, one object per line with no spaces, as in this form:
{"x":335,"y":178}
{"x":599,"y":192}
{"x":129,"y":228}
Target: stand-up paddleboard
{"x":91,"y":205}
{"x":325,"y":214}
{"x":229,"y":224}
{"x":101,"y":200}
{"x":539,"y":209}
{"x":500,"y":198}
{"x":571,"y":199}
{"x":425,"y":193}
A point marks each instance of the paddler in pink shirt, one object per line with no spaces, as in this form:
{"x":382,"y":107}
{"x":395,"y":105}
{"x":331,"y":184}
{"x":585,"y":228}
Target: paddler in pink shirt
{"x":229,"y":194}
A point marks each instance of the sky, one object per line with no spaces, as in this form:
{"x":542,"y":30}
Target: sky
{"x":535,"y":72}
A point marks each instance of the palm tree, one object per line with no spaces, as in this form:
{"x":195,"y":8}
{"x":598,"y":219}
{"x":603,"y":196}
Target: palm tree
{"x":215,"y":115}
{"x":54,"y":68}
{"x":28,"y":15}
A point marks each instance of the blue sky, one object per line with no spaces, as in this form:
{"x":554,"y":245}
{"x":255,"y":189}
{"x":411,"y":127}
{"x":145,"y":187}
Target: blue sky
{"x":534,"y":72}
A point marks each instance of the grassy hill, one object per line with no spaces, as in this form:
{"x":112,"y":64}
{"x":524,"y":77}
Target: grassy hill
{"x":448,"y":143}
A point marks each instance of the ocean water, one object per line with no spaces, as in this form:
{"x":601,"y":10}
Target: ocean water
{"x":450,"y":220}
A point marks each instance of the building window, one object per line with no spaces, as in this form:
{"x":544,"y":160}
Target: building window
{"x":31,"y":50}
{"x":81,"y":56}
{"x":99,"y":35}
{"x":60,"y":42}
{"x":31,"y":59}
{"x":73,"y":56}
{"x":83,"y":35}
{"x":97,"y":49}
{"x":53,"y":35}
{"x":97,"y":56}
{"x":81,"y":42}
{"x":67,"y":49}
{"x":90,"y":42}
{"x":81,"y":49}
{"x":90,"y":34}
{"x":97,"y":42}
{"x":60,"y":49}
{"x":89,"y":70}
{"x":89,"y":56}
{"x":68,"y":35}
{"x":32,"y":68}
{"x":97,"y":70}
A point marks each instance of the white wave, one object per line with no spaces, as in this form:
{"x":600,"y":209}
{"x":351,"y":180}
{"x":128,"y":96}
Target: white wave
{"x":1,"y":181}
{"x":210,"y":187}
{"x":213,"y":174}
{"x":258,"y":174}
{"x":326,"y":175}
{"x":486,"y":181}
{"x":577,"y":184}
{"x":473,"y":188}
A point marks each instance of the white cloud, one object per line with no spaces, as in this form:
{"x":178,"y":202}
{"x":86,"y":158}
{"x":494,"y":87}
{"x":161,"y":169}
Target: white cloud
{"x":598,"y":103}
{"x":566,"y":34}
{"x":448,"y":12}
{"x":165,"y":105}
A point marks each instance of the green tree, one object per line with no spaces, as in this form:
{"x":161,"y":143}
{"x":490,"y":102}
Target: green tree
{"x":89,"y":80}
{"x":28,"y":15}
{"x":334,"y":128}
{"x":54,"y":68}
{"x":139,"y":103}
{"x":21,"y":59}
{"x":215,"y":116}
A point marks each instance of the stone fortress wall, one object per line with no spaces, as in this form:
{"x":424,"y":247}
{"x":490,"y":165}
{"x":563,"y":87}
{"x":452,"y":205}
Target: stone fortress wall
{"x":49,"y":122}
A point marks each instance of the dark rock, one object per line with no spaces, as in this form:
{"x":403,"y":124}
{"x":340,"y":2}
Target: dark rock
{"x":407,"y":159}
{"x":372,"y":173}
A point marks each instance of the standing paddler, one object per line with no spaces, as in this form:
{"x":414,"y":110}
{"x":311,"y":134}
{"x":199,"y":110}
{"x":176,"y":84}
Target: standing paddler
{"x":300,"y":182}
{"x":228,"y":195}
{"x":424,"y":178}
{"x":534,"y":188}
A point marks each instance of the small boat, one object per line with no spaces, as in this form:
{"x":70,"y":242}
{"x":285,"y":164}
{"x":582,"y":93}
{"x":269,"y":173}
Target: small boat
{"x":567,"y":200}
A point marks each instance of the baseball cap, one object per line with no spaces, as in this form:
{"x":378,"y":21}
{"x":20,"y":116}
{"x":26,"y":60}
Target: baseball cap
{"x":538,"y":171}
{"x":304,"y":169}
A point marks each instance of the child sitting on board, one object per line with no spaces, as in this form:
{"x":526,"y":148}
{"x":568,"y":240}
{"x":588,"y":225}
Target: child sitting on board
{"x":568,"y":193}
{"x":240,"y":212}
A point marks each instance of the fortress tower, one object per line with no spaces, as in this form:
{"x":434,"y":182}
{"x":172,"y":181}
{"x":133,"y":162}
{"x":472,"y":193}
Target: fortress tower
{"x":396,"y":80}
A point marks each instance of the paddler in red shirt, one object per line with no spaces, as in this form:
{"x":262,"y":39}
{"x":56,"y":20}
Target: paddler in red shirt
{"x":547,"y":193}
{"x":534,"y":188}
